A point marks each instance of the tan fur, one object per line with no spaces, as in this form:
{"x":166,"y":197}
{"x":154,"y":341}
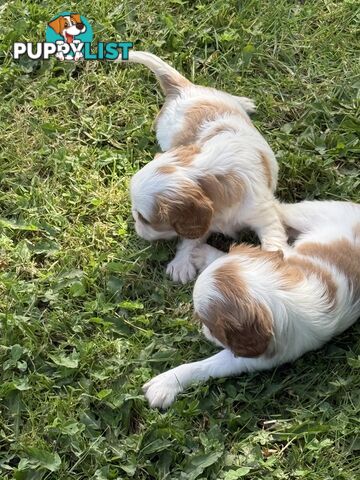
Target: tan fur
{"x":343,"y":254}
{"x":306,"y":267}
{"x":189,"y":213}
{"x":223,"y":190}
{"x":238,"y":321}
{"x":293,"y":270}
{"x":186,"y":153}
{"x":183,"y":157}
{"x":218,"y":130}
{"x":167,"y":169}
{"x":172,"y":84}
{"x":200,"y":113}
{"x":256,"y":252}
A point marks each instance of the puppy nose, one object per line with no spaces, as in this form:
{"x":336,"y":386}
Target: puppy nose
{"x":80,"y":26}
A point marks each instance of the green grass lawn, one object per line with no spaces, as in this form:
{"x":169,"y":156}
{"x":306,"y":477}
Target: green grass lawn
{"x":87,"y":314}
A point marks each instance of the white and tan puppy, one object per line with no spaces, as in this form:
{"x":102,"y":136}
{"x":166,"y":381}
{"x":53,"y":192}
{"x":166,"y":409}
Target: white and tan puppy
{"x":218,"y":174}
{"x":265,"y":310}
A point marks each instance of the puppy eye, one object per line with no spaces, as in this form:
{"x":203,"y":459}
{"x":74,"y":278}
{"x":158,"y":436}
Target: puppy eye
{"x":143,"y":219}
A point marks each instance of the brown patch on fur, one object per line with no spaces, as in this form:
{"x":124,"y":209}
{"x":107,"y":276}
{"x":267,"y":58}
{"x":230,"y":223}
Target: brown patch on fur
{"x":267,"y":169}
{"x":172,"y":84}
{"x":218,"y":130}
{"x":238,"y":320}
{"x":183,"y":157}
{"x":167,"y":169}
{"x":185,"y":154}
{"x":224,"y":190}
{"x":200,"y":113}
{"x":342,"y":254}
{"x":307,"y":267}
{"x":251,"y":251}
{"x":292,"y":270}
{"x":189,"y":213}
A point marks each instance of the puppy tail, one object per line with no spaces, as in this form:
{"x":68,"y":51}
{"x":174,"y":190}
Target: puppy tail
{"x":170,"y":80}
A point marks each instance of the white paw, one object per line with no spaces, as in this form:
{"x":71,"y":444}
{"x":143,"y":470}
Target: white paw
{"x":180,"y":270}
{"x":162,"y":390}
{"x":60,"y":56}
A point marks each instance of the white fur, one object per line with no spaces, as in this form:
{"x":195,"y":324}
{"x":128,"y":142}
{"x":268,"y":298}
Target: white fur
{"x":302,"y":320}
{"x":237,"y":151}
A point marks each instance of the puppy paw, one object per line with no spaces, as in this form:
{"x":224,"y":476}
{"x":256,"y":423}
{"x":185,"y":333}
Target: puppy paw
{"x":162,"y":390}
{"x":181,"y":271}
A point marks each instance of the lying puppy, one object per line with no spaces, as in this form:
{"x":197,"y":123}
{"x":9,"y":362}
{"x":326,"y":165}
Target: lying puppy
{"x":265,"y":310}
{"x":217,"y":174}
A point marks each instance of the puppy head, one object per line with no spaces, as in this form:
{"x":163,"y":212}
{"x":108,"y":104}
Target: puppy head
{"x":71,"y":24}
{"x":230,"y":315}
{"x":167,"y":202}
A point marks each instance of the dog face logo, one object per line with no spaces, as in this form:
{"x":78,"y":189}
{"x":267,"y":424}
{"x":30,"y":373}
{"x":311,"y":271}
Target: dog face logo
{"x":68,"y":26}
{"x":69,"y":36}
{"x":69,"y":29}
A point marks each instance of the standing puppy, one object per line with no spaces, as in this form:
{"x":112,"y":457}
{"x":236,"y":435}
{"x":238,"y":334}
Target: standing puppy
{"x":265,"y":310}
{"x":217,"y":173}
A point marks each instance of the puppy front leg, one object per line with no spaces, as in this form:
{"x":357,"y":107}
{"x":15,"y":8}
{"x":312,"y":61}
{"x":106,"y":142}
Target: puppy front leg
{"x":162,"y":390}
{"x":182,"y":268}
{"x":269,"y":228}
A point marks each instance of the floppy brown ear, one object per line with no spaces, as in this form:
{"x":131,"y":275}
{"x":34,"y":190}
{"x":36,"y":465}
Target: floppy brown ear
{"x":247,"y":337}
{"x":239,"y":321}
{"x":191,"y":215}
{"x":57,"y":25}
{"x":76,"y":17}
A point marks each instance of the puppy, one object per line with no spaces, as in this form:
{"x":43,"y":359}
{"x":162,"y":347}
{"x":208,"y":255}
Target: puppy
{"x":217,"y":173}
{"x":265,"y":310}
{"x":68,"y":26}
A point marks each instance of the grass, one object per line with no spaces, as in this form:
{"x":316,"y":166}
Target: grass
{"x":87,"y":314}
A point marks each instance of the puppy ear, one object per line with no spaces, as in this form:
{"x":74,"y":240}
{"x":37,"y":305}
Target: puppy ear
{"x":57,"y":25}
{"x":235,"y":318}
{"x":191,"y":214}
{"x":250,"y":335}
{"x":76,"y":17}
